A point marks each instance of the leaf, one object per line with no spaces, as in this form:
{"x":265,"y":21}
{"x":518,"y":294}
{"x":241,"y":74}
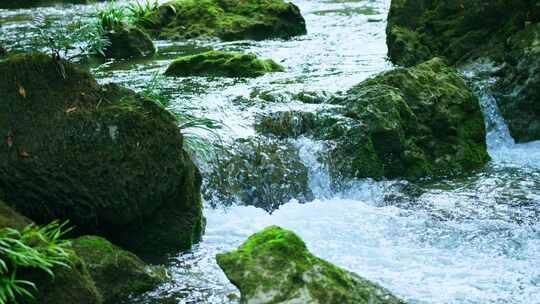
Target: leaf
{"x":71,"y":110}
{"x":22,"y":91}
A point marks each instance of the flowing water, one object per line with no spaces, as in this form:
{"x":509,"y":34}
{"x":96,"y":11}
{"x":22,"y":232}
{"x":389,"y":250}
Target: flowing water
{"x":467,"y":240}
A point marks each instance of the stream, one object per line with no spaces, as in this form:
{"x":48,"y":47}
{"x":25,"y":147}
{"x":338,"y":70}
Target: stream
{"x":474,"y":239}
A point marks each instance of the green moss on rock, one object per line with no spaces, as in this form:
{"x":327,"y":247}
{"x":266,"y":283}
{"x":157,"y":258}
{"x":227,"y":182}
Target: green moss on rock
{"x":274,"y":266}
{"x":117,"y":273}
{"x":505,"y":32}
{"x":9,"y":218}
{"x":228,"y":19}
{"x":222,"y":64}
{"x":421,"y":121}
{"x":69,"y":285}
{"x":128,"y":42}
{"x":406,"y":123}
{"x":101,"y":156}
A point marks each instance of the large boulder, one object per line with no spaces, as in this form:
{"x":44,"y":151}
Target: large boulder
{"x":406,"y":123}
{"x":128,"y":42}
{"x":103,"y":157}
{"x":275,"y":266}
{"x":117,"y":273}
{"x":222,"y":64}
{"x":227,"y":19}
{"x":261,"y":172}
{"x":461,"y":31}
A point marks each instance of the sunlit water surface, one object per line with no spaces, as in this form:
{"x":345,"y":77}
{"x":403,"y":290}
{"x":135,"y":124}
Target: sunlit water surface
{"x":469,"y":240}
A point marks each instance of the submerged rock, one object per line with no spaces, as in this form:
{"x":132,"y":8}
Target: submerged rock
{"x":275,"y":266}
{"x":227,"y":19}
{"x":222,"y":64}
{"x":260,"y":172}
{"x":128,"y":42}
{"x":461,"y":31}
{"x":103,"y":157}
{"x":117,"y":273}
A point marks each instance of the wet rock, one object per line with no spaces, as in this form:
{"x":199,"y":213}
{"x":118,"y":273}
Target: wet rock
{"x":519,"y":89}
{"x":128,"y":42}
{"x":103,"y":157}
{"x":406,"y":123}
{"x":228,"y":20}
{"x":462,"y":31}
{"x":117,"y":273}
{"x":222,"y":64}
{"x":260,"y":172}
{"x":411,"y":123}
{"x":275,"y":266}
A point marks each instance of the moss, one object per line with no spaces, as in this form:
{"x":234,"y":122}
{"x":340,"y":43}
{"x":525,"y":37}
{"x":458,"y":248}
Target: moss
{"x":117,"y":273}
{"x":77,"y":153}
{"x":69,"y":285}
{"x":128,"y":42}
{"x":275,"y":266}
{"x":9,"y":218}
{"x":222,"y":64}
{"x":228,"y":19}
{"x":406,"y":123}
{"x":422,"y":121}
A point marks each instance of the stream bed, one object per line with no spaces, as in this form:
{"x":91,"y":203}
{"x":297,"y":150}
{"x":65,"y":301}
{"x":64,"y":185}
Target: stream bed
{"x":474,"y":239}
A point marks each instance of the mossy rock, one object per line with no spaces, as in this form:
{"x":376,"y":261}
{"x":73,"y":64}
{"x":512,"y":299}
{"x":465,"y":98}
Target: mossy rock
{"x":456,"y":30}
{"x":14,"y":4}
{"x":275,"y":266}
{"x":128,"y":42}
{"x":9,"y":218}
{"x":505,"y":32}
{"x":222,"y":64}
{"x":406,"y":123}
{"x":102,"y":157}
{"x":518,"y":91}
{"x":227,"y":19}
{"x":412,"y":122}
{"x":71,"y":284}
{"x":117,"y":273}
{"x":261,"y":172}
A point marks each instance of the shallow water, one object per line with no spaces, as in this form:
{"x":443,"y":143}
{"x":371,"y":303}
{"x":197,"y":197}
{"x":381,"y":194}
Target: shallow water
{"x":469,"y":240}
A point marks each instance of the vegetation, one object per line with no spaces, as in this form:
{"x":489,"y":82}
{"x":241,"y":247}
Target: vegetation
{"x":195,"y":143}
{"x":87,"y":38}
{"x":33,"y":247}
{"x":140,"y":14}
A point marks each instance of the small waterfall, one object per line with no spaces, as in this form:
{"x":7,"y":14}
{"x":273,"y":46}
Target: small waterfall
{"x":501,"y":146}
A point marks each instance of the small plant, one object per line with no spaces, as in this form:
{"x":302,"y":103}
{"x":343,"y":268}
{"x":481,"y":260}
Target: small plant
{"x":33,"y":247}
{"x":143,"y":14}
{"x":112,"y":16}
{"x":87,"y":39}
{"x":196,"y":144}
